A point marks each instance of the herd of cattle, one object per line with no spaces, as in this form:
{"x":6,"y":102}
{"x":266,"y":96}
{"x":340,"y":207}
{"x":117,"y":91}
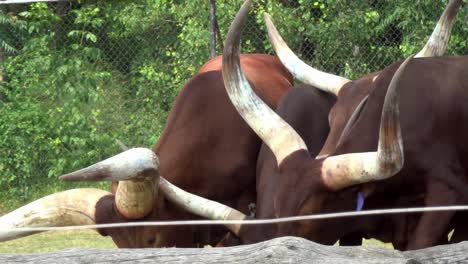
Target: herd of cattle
{"x":393,"y":138}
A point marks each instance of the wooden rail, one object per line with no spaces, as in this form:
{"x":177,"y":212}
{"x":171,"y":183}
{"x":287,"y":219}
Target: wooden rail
{"x":281,"y":250}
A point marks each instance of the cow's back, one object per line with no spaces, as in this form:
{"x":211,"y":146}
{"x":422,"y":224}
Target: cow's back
{"x":269,"y":78}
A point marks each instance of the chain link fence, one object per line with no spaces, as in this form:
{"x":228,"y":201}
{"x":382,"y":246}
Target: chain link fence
{"x":340,"y":32}
{"x":76,"y":75}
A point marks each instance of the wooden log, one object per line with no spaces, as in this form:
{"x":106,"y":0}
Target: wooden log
{"x":281,"y":250}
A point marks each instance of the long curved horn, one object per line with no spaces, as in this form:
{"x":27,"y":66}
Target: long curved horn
{"x":72,"y":207}
{"x":137,"y":196}
{"x":438,"y":42}
{"x":349,"y":169}
{"x":201,"y":206}
{"x":133,"y":164}
{"x":274,"y":131}
{"x":136,"y":170}
{"x":299,"y":69}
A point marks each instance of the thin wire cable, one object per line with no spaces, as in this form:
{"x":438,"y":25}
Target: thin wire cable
{"x":246,"y":222}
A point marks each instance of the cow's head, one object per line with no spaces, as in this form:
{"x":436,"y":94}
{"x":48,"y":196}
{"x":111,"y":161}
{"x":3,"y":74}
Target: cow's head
{"x":135,"y":197}
{"x":352,"y":94}
{"x":306,"y":184}
{"x":141,"y":195}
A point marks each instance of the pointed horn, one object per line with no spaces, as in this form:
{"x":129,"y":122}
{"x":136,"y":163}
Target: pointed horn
{"x":274,"y":131}
{"x":133,"y":164}
{"x":438,"y":42}
{"x":137,"y":170}
{"x":299,"y":69}
{"x":68,"y":208}
{"x":201,"y":206}
{"x":349,"y":169}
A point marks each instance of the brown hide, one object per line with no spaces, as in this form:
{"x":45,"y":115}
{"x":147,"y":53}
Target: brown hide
{"x":348,"y":99}
{"x":206,"y":149}
{"x":270,"y":91}
{"x":433,"y":117}
{"x":306,"y":109}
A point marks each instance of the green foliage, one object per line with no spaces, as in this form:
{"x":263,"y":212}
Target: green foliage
{"x":8,"y":24}
{"x":353,"y":38}
{"x":74,"y":81}
{"x":58,"y":107}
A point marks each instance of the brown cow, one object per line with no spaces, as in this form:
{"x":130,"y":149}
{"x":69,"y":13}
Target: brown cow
{"x":353,"y":94}
{"x":205,"y":148}
{"x":430,"y":170}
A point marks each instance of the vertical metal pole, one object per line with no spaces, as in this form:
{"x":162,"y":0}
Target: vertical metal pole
{"x":3,"y":8}
{"x":1,"y":72}
{"x":213,"y":28}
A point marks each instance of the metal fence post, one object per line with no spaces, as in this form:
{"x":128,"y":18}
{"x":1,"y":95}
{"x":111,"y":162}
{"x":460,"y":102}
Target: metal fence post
{"x":213,"y":23}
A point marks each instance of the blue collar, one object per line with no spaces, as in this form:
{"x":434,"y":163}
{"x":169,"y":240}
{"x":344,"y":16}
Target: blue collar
{"x":360,"y":201}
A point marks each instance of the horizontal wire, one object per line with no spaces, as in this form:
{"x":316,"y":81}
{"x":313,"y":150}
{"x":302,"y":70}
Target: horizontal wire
{"x":245,"y":222}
